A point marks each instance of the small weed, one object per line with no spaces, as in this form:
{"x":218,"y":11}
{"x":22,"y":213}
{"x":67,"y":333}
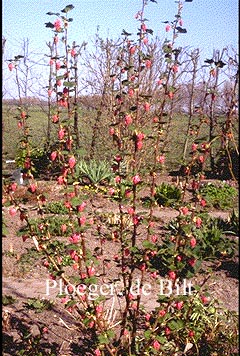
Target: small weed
{"x":8,"y":299}
{"x":56,"y":207}
{"x":39,"y":305}
{"x":167,"y":195}
{"x":94,"y":172}
{"x":219,"y":197}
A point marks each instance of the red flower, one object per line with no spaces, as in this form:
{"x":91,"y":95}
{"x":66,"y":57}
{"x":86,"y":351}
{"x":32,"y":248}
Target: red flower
{"x":74,"y":238}
{"x":148,"y":63}
{"x":10,"y":66}
{"x":91,"y":271}
{"x":82,"y":206}
{"x":194,"y":147}
{"x":63,"y":228}
{"x":12,"y":211}
{"x":154,"y":238}
{"x":191,"y":333}
{"x":172,"y":275}
{"x":130,"y":92}
{"x":204,"y":299}
{"x":192,"y":262}
{"x":139,"y":145}
{"x":198,"y":222}
{"x":175,"y":68}
{"x":55,"y":118}
{"x":161,"y":159}
{"x":146,"y":106}
{"x":61,"y":180}
{"x":57,"y":25}
{"x":184,"y":210}
{"x":180,"y":22}
{"x":156,"y":345}
{"x":61,"y":133}
{"x":72,"y":161}
{"x":143,"y":27}
{"x":162,"y":312}
{"x":131,"y":211}
{"x":128,"y":120}
{"x":132,"y":49}
{"x":145,"y":40}
{"x":73,"y":52}
{"x":13,"y":186}
{"x":201,"y":159}
{"x":53,"y":156}
{"x":111,"y":131}
{"x":136,"y":179}
{"x":193,"y":242}
{"x":27,"y":163}
{"x":167,"y":28}
{"x":167,"y":331}
{"x":117,"y":179}
{"x":58,"y":65}
{"x":33,"y":187}
{"x":203,"y":202}
{"x":179,"y":305}
{"x":82,"y":220}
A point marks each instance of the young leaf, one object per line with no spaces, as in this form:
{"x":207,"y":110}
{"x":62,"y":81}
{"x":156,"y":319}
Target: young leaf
{"x":49,"y":25}
{"x":52,"y":13}
{"x":209,"y":61}
{"x":181,"y":30}
{"x":125,"y":33}
{"x":67,"y":8}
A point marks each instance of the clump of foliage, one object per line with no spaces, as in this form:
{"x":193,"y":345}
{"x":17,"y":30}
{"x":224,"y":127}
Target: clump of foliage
{"x":219,"y":196}
{"x":167,"y":195}
{"x":93,"y":172}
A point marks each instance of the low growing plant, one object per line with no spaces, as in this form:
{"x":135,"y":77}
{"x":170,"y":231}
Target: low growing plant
{"x":219,"y":196}
{"x":93,"y":172}
{"x":167,"y":195}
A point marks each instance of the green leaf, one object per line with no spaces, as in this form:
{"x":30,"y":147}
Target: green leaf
{"x":148,"y":30}
{"x":8,"y":299}
{"x":147,"y":334}
{"x":176,"y":324}
{"x":49,"y":25}
{"x":53,"y":13}
{"x":181,"y":30}
{"x":125,"y":33}
{"x":67,"y":9}
{"x":69,"y":84}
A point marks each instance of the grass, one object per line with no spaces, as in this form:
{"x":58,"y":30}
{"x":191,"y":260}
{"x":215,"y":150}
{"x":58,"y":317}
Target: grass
{"x":103,"y":142}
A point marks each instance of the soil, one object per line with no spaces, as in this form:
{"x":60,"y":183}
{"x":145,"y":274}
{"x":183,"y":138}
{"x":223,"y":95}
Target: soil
{"x":25,"y":280}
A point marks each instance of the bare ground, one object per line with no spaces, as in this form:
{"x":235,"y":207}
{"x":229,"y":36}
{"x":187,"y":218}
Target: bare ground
{"x":28,"y":280}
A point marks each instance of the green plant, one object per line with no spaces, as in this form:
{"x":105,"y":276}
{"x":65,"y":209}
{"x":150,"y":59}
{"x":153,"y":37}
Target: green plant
{"x":167,"y":195}
{"x":219,"y":196}
{"x":95,"y":172}
{"x":191,"y":240}
{"x":39,"y":305}
{"x":8,"y":299}
{"x":138,"y":118}
{"x":56,"y":207}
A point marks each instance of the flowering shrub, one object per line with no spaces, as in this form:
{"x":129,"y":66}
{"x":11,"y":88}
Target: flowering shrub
{"x":186,"y":323}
